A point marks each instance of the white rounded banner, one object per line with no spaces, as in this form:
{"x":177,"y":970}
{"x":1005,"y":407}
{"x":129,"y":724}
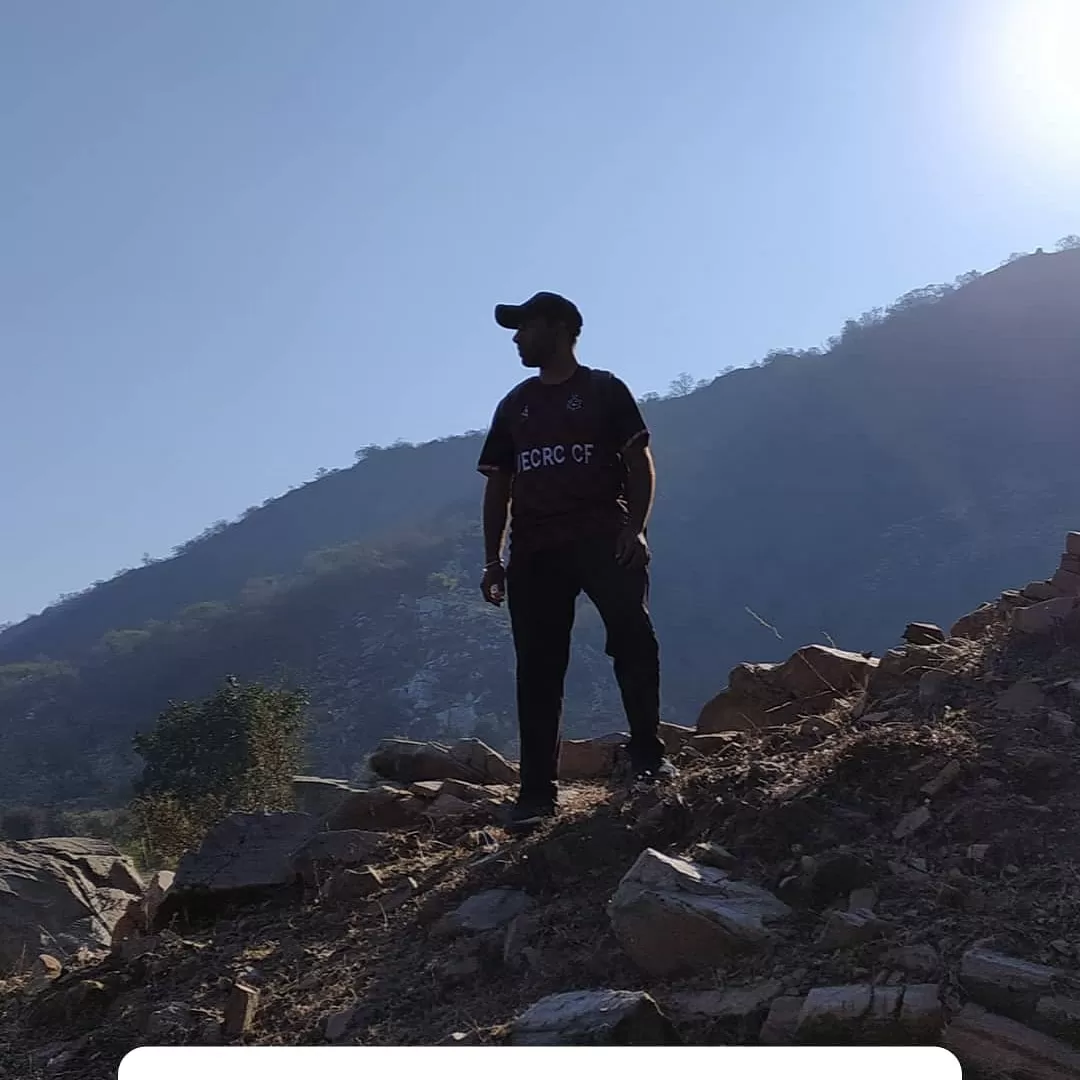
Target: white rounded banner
{"x":491,"y":1063}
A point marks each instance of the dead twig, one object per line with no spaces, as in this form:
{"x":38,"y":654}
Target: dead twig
{"x":768,"y":626}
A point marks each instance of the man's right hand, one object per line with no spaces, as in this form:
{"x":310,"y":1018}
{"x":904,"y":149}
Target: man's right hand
{"x":493,"y":586}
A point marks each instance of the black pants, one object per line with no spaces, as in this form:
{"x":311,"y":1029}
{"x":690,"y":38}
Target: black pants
{"x":542,"y":588}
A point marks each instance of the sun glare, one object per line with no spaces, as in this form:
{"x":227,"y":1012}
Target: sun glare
{"x":1039,"y":68}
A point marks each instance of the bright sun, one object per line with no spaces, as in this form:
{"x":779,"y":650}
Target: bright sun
{"x":1039,"y":53}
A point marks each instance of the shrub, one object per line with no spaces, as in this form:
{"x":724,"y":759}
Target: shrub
{"x":235,"y":751}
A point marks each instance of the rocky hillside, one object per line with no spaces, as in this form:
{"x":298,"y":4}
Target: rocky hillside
{"x":889,"y":856}
{"x":926,"y":456}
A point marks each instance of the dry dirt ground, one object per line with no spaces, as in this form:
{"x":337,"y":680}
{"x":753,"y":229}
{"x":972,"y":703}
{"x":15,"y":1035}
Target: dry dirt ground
{"x":810,"y":812}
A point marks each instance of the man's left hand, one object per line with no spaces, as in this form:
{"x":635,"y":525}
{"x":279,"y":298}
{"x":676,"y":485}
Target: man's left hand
{"x":632,"y":549}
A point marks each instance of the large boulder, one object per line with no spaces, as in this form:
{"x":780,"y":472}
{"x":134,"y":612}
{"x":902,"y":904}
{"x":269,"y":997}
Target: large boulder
{"x":593,"y":1018}
{"x":97,"y":859}
{"x":61,"y":894}
{"x":818,"y":669}
{"x":407,"y":761}
{"x":244,"y":856}
{"x":672,"y":916}
{"x":773,"y":695}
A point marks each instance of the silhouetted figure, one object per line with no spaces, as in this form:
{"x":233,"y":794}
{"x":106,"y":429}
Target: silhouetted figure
{"x":568,"y":459}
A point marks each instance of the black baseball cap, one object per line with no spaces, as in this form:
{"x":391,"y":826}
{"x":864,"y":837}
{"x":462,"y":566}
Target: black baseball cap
{"x":544,"y":305}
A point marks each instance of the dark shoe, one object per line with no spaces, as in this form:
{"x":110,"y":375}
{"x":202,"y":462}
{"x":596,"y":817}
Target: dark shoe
{"x":529,"y":813}
{"x":663,"y":773}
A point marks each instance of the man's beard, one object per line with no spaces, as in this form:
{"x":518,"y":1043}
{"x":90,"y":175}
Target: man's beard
{"x":541,"y":354}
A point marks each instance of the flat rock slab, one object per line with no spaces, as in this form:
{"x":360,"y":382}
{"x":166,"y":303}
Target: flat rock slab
{"x":245,"y":852}
{"x":1047,"y":616}
{"x":470,"y":760}
{"x":833,"y":1012}
{"x":1039,"y":590}
{"x":846,"y":929}
{"x":485,"y":911}
{"x":462,"y":789}
{"x":671,"y":915}
{"x":737,"y":1004}
{"x":447,"y":807}
{"x":489,"y":765}
{"x":427,"y":789}
{"x":100,"y":861}
{"x":1004,"y":983}
{"x":408,"y":761}
{"x":1000,"y":1046}
{"x":924,"y":634}
{"x":866,"y":1013}
{"x":593,"y":1018}
{"x":61,"y":894}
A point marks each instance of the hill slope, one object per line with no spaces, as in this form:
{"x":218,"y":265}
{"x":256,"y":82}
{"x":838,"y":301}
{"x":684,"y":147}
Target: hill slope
{"x":926,"y":456}
{"x":899,"y":870}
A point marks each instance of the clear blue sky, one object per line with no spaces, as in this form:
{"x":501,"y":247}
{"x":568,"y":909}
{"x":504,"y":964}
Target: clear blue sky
{"x":242,"y":239}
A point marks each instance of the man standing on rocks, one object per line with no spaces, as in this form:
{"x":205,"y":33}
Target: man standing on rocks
{"x":568,"y":451}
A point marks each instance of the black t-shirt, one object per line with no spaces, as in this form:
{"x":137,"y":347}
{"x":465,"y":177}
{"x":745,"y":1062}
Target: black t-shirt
{"x":562,"y":443}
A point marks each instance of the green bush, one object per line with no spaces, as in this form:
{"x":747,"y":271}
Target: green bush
{"x":235,"y":751}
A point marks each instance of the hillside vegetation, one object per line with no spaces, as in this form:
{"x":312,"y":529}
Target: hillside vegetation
{"x":921,"y":459}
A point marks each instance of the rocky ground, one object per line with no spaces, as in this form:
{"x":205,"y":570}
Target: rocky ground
{"x":857,"y":850}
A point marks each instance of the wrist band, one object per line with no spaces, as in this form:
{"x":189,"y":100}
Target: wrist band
{"x":494,"y":562}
